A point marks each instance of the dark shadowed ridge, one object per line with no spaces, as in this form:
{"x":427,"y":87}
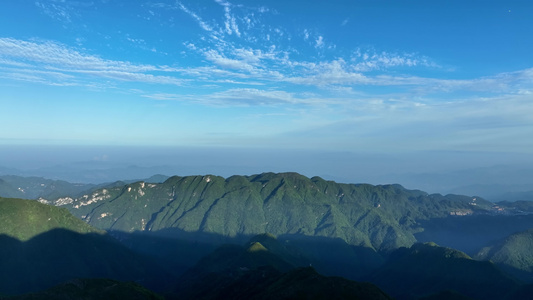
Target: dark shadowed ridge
{"x":263,"y":268}
{"x":44,"y":245}
{"x":513,"y":254}
{"x":426,"y":269}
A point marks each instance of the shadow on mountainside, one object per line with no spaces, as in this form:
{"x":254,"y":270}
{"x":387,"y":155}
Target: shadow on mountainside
{"x":177,"y":250}
{"x":224,"y":262}
{"x":471,"y":233}
{"x":164,"y":260}
{"x":60,"y":255}
{"x":425,"y":269}
{"x":91,"y":289}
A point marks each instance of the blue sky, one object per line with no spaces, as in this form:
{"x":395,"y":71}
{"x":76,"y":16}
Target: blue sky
{"x":350,"y":76}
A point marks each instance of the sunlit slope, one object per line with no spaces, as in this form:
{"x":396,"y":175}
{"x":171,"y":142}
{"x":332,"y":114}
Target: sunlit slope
{"x":382,"y":217}
{"x":24,"y":219}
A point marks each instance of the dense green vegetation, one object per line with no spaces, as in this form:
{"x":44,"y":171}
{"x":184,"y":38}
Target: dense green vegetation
{"x":382,"y":218}
{"x":24,"y":219}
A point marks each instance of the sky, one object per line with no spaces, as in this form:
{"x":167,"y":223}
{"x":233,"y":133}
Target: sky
{"x":417,"y":79}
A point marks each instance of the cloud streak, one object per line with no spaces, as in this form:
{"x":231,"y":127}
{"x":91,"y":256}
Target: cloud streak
{"x":62,"y":64}
{"x":197,"y":18}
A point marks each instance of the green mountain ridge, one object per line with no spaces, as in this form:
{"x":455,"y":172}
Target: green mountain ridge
{"x":378,"y":217}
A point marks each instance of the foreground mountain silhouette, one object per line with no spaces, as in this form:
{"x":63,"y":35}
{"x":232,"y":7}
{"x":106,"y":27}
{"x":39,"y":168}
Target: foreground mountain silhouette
{"x":264,"y":269}
{"x":42,"y":246}
{"x":91,"y":289}
{"x":382,"y":217}
{"x":426,"y":269}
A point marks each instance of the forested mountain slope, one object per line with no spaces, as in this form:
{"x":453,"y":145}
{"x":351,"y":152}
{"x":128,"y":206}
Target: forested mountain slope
{"x":379,"y":217}
{"x":25,"y":219}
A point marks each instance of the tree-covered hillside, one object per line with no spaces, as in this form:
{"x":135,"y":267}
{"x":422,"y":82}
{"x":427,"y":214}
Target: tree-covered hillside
{"x":379,"y":217}
{"x":25,"y":219}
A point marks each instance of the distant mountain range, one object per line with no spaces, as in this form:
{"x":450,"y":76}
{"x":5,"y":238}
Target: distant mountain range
{"x":265,"y":236}
{"x":499,"y":182}
{"x":12,"y":186}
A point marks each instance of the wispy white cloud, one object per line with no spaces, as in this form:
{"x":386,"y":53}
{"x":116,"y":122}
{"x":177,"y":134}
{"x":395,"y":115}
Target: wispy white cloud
{"x":51,"y":59}
{"x":59,"y":55}
{"x":243,"y":97}
{"x":57,"y":10}
{"x":197,"y":18}
{"x":65,"y":12}
{"x":254,"y":97}
{"x":306,"y":34}
{"x":230,"y":22}
{"x":224,"y":62}
{"x":37,"y":76}
{"x":364,"y":61}
{"x":319,"y":42}
{"x":329,"y":73}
